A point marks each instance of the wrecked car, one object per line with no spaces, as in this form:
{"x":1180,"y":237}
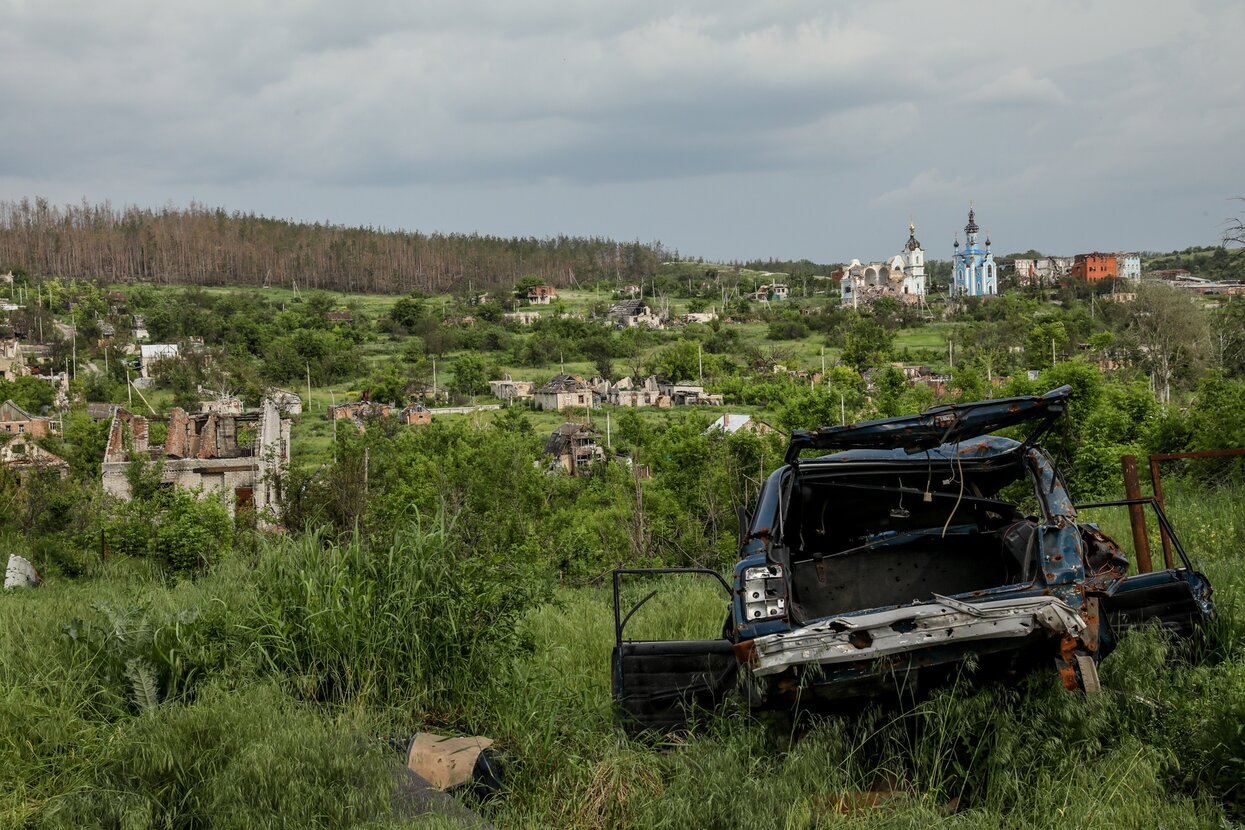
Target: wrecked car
{"x":885,"y":555}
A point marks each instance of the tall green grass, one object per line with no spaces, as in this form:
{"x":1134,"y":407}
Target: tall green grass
{"x":300,"y":656}
{"x":416,"y":623}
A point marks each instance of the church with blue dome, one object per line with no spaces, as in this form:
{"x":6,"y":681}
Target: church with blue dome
{"x":975,"y":274}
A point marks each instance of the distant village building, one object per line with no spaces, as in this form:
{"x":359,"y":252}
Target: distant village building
{"x":23,"y":457}
{"x":16,"y":421}
{"x":687,"y":394}
{"x":1093,"y":267}
{"x":151,"y":354}
{"x":902,"y":277}
{"x":138,"y":327}
{"x":511,"y":390}
{"x":541,"y":294}
{"x":358,"y":412}
{"x":626,"y":393}
{"x":523,"y":318}
{"x":101,"y":411}
{"x":771,"y":291}
{"x":974,"y":273}
{"x":339,"y":316}
{"x":629,"y":290}
{"x":222,"y":404}
{"x":703,"y":317}
{"x":631,"y":313}
{"x":1041,"y":271}
{"x":12,"y":365}
{"x":729,"y":424}
{"x":574,"y":448}
{"x":237,"y":458}
{"x":288,"y":403}
{"x":415,"y":415}
{"x":562,"y":392}
{"x":1128,"y":266}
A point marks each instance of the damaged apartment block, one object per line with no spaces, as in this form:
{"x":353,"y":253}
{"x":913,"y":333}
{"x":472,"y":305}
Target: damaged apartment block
{"x":235,"y":456}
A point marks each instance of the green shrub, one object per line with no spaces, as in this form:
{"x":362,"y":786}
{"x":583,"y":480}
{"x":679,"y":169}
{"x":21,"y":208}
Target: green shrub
{"x":421,"y":622}
{"x":175,"y":527}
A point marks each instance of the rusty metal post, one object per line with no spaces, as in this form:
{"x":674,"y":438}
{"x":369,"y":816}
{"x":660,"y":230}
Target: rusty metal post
{"x":1158,"y":497}
{"x":1136,"y":513}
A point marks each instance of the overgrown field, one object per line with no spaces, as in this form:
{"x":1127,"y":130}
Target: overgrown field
{"x":261,"y":693}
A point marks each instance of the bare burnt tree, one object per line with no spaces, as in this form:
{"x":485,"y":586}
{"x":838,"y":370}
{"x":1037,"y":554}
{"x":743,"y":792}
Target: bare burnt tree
{"x":209,"y":246}
{"x":1234,"y":231}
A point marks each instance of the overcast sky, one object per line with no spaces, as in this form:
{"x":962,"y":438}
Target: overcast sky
{"x":724,"y":129}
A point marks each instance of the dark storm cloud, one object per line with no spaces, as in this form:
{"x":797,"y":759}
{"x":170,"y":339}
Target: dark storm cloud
{"x":868,"y":112}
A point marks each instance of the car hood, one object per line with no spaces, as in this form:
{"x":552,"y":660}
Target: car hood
{"x":934,"y":427}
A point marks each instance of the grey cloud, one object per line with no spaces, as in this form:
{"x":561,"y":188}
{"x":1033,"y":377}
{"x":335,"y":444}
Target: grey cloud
{"x":895,"y":107}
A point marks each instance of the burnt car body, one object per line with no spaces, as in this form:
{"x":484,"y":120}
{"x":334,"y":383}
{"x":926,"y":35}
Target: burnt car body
{"x":892,"y":559}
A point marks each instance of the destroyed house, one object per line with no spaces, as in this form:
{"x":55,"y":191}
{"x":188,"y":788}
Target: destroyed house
{"x":358,"y":412}
{"x":22,"y":457}
{"x":415,"y":415}
{"x":541,"y":294}
{"x":17,"y":421}
{"x":507,"y":389}
{"x":564,"y":391}
{"x":632,"y":313}
{"x":235,"y":457}
{"x":574,"y":448}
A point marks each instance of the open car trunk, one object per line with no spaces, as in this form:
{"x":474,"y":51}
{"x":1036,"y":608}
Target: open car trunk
{"x":857,"y":540}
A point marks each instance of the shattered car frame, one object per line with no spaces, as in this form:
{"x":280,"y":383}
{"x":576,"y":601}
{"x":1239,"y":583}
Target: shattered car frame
{"x":896,"y":556}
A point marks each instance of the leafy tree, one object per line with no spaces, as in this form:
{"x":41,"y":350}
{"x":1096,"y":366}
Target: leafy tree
{"x":470,"y":375}
{"x":30,"y":393}
{"x":788,"y":328}
{"x":407,"y":311}
{"x":866,"y":343}
{"x":679,"y":361}
{"x":1228,"y":337}
{"x":1046,"y":340}
{"x":1171,"y":333}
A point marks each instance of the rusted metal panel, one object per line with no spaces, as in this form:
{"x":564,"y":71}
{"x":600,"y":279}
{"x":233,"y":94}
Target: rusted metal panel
{"x":848,"y":639}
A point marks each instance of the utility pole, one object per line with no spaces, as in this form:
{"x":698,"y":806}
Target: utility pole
{"x":308,"y":387}
{"x":700,"y":359}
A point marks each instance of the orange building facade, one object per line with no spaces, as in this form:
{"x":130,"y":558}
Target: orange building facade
{"x":1094,"y":267}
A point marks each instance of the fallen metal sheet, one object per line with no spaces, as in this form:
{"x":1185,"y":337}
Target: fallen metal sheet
{"x":20,"y":573}
{"x":894,"y":631}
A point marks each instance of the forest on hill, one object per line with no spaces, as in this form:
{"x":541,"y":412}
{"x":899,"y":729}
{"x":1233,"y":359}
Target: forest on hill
{"x":209,"y":246}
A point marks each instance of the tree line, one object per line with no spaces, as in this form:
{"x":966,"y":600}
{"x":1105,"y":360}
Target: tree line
{"x":210,"y":246}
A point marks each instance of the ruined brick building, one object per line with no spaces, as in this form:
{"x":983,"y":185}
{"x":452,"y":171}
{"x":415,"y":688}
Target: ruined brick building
{"x":236,"y":456}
